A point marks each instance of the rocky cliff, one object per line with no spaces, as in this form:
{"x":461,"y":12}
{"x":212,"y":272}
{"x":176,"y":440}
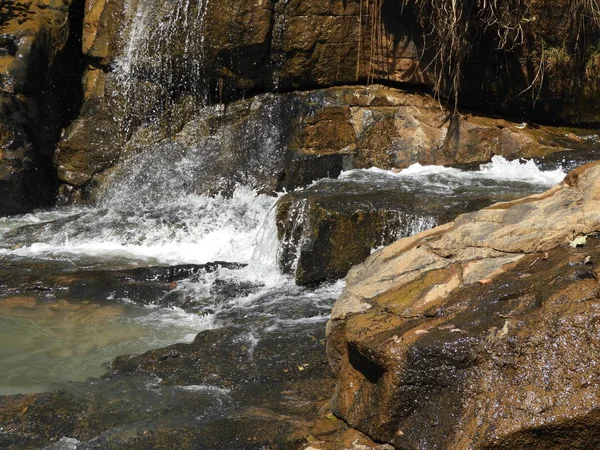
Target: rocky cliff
{"x":151,"y":68}
{"x":479,"y":334}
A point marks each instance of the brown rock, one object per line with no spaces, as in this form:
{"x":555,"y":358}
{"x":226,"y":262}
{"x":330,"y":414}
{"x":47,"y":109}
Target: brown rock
{"x":293,"y":45}
{"x":229,"y":52}
{"x":34,"y":66}
{"x":318,"y":133}
{"x":427,"y":355}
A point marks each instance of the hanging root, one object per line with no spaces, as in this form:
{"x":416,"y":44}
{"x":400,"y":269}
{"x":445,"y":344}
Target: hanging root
{"x":452,"y":26}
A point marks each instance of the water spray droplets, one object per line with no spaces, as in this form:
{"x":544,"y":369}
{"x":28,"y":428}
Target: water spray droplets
{"x":163,"y":59}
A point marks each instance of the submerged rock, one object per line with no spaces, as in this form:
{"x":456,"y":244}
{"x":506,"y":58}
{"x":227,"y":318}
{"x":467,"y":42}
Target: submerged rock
{"x":478,"y":334}
{"x":154,"y":285}
{"x":222,"y":391}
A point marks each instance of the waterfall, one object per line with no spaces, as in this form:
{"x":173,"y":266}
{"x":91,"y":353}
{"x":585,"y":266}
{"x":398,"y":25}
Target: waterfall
{"x":164,"y":56}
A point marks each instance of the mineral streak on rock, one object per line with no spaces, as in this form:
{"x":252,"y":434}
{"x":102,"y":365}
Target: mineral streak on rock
{"x":479,"y":334}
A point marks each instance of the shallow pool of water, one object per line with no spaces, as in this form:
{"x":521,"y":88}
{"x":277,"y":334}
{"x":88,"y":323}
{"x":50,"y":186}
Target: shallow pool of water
{"x":47,"y":342}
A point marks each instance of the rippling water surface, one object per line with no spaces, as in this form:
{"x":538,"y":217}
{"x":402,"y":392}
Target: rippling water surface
{"x":65,"y":314}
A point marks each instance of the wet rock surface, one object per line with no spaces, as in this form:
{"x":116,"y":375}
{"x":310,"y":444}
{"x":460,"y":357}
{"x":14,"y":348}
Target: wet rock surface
{"x":479,"y":333}
{"x":38,"y":72}
{"x":146,"y":78}
{"x":142,"y":285}
{"x":133,"y":408}
{"x":260,"y":382}
{"x":332,"y":225}
{"x":323,"y":235}
{"x":151,"y":68}
{"x":25,"y":175}
{"x":284,"y":141}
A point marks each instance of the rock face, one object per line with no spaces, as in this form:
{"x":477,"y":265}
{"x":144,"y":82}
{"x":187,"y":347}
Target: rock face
{"x":478,"y":334}
{"x":266,"y":45}
{"x":323,"y":236}
{"x":281,"y":141}
{"x":34,"y":79}
{"x":157,"y":65}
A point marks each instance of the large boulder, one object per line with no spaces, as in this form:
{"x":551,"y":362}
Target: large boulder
{"x":481,"y":333}
{"x":323,"y":236}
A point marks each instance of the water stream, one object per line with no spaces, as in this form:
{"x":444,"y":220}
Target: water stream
{"x":162,"y":308}
{"x":68,"y":304}
{"x":85,"y":290}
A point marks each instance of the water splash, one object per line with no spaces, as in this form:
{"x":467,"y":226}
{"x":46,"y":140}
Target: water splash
{"x":499,"y":169}
{"x":189,"y":229}
{"x":152,"y":216}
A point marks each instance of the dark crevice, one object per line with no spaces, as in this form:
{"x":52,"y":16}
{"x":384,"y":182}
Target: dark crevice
{"x":61,"y":100}
{"x":367,"y":367}
{"x":65,"y":89}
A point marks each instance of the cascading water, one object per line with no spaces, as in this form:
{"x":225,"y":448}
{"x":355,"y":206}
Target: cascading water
{"x":374,"y":207}
{"x":163,"y":58}
{"x":157,"y":262}
{"x":143,"y":221}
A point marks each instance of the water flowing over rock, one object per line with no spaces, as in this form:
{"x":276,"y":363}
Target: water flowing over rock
{"x":172,"y":135}
{"x":285,"y":45}
{"x":153,"y":68}
{"x":274,"y":142}
{"x":479,"y":333}
{"x":332,"y":225}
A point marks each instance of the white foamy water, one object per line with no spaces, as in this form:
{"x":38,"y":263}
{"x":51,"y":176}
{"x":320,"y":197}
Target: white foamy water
{"x":197,"y":229}
{"x":499,"y":169}
{"x":193,"y":229}
{"x":165,"y":320}
{"x":204,"y":388}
